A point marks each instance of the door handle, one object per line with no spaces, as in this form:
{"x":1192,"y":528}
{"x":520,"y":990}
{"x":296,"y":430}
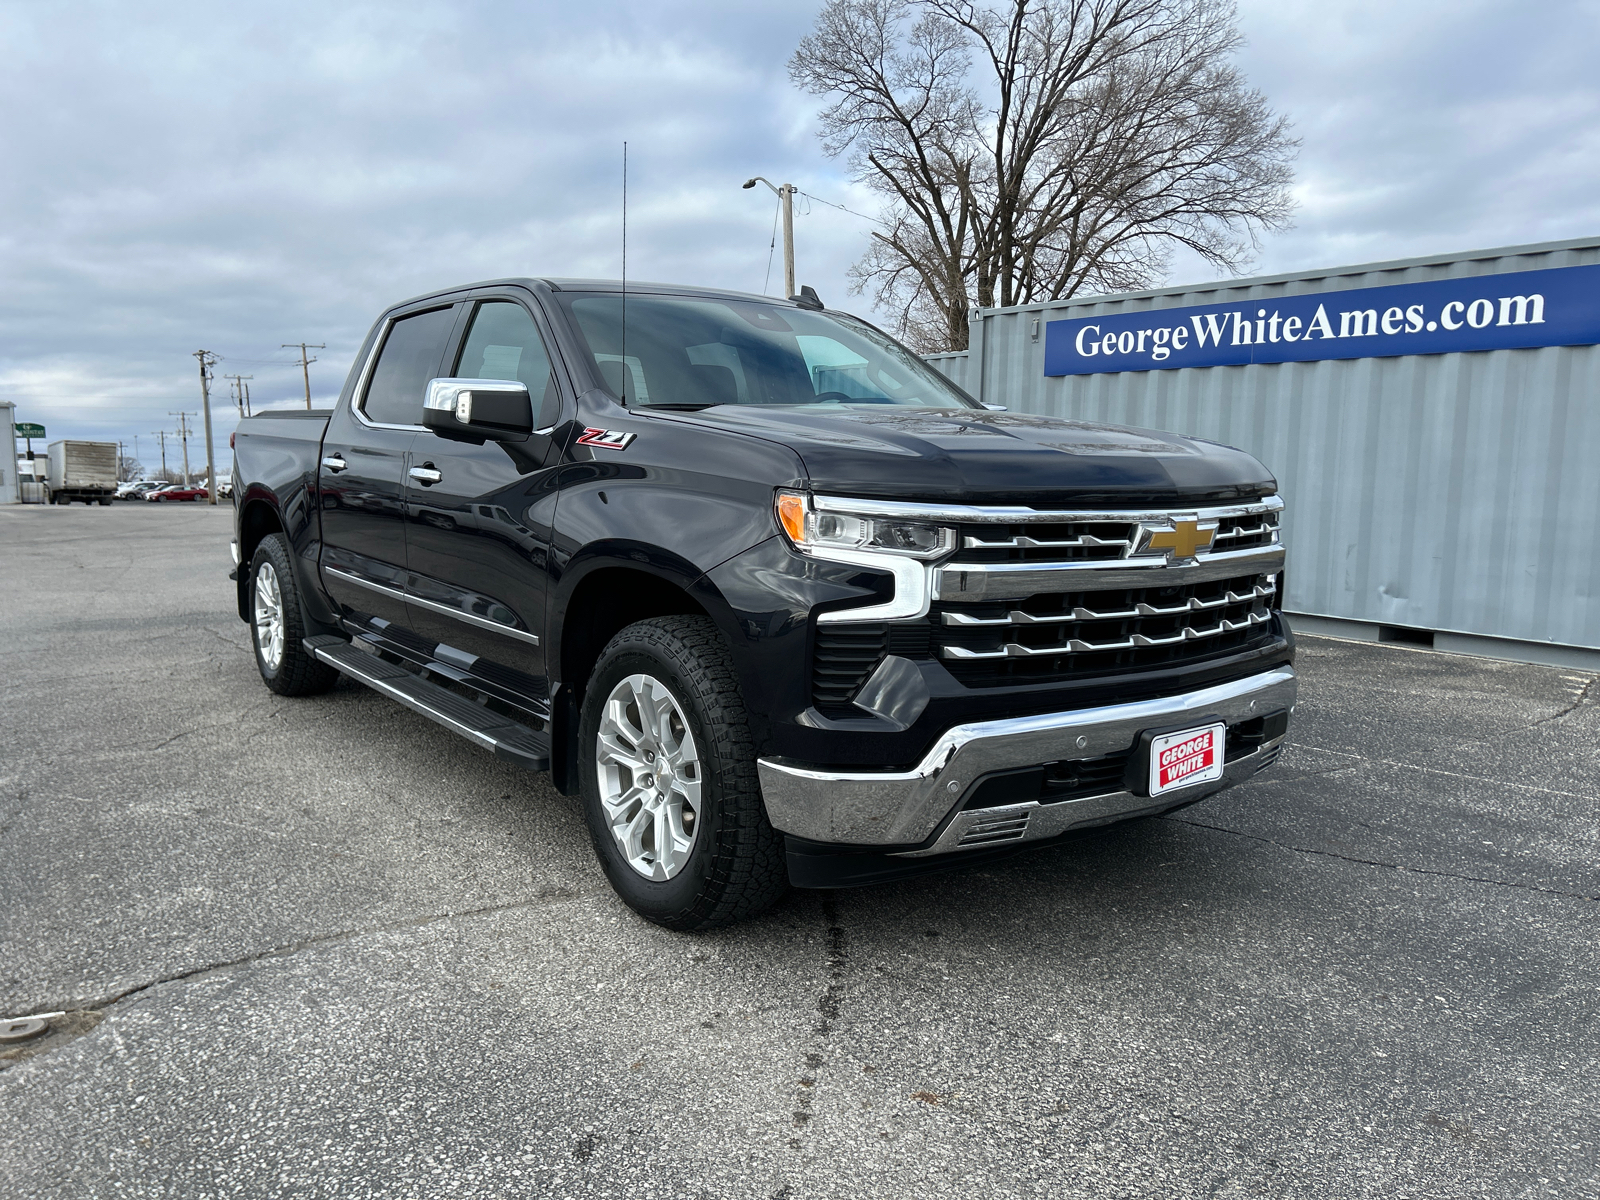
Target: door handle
{"x":334,"y":463}
{"x":426,"y":476}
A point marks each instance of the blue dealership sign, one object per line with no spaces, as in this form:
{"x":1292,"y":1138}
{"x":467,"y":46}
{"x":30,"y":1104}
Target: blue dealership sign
{"x":1555,"y":307}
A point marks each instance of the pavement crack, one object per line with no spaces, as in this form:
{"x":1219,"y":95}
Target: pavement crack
{"x":828,"y":1003}
{"x":1578,"y":703}
{"x":289,"y":949}
{"x":1373,"y":862}
{"x":221,"y":637}
{"x":22,"y":807}
{"x":828,"y":1010}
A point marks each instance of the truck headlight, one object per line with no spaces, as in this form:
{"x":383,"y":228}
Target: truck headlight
{"x":811,"y":531}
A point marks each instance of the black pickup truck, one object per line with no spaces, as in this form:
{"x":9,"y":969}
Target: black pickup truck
{"x":783,"y":604}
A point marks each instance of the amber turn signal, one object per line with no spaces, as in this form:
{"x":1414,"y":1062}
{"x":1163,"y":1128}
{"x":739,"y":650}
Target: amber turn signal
{"x":792,"y":516}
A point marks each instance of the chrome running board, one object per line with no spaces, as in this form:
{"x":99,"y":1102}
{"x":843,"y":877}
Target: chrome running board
{"x":504,"y":737}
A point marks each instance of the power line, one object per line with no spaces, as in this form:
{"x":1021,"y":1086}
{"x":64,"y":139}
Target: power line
{"x":772,"y":249}
{"x":842,"y":208}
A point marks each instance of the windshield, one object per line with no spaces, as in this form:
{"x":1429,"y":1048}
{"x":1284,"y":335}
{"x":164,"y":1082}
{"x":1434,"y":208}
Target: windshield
{"x":693,"y":353}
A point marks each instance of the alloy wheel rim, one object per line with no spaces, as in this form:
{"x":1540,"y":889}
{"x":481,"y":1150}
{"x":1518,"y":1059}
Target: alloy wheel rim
{"x":269,"y":616}
{"x":650,"y":777}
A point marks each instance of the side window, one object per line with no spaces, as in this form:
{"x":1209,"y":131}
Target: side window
{"x":504,"y":343}
{"x":409,"y":358}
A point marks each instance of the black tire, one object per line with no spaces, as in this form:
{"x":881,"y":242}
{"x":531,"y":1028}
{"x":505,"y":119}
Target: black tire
{"x":736,"y":867}
{"x":296,"y":673}
{"x":105,"y":502}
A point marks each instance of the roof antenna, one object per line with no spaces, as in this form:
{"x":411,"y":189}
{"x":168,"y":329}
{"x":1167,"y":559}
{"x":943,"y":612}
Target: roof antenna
{"x":625,"y":368}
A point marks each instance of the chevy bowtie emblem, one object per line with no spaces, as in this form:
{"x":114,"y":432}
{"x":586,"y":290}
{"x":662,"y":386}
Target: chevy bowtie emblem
{"x":1182,"y":539}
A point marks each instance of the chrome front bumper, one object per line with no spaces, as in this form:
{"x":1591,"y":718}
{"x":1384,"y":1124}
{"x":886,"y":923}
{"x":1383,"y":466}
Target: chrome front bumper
{"x":889,"y":808}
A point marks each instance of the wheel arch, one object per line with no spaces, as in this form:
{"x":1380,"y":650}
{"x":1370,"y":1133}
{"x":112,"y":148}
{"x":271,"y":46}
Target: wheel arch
{"x":257,"y":519}
{"x":600,"y":599}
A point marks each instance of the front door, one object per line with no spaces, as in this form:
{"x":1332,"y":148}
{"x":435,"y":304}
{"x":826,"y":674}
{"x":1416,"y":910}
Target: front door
{"x":479,"y":530}
{"x":362,"y":476}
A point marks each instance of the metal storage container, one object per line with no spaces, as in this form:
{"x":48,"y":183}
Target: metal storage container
{"x":1454,"y":492}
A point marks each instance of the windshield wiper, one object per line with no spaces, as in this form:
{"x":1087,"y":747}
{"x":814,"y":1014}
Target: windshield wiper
{"x":681,"y":406}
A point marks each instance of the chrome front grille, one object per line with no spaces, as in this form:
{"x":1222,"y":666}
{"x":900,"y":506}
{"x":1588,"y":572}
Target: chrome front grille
{"x":1106,"y":538}
{"x":1035,"y":595}
{"x":1074,"y":541}
{"x":1120,"y":629}
{"x":1246,"y":532}
{"x":1055,"y":636}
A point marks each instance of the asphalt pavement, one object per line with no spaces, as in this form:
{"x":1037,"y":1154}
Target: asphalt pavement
{"x":321,"y":947}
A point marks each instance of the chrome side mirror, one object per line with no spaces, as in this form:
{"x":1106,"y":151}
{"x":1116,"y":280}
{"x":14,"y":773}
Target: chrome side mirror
{"x":478,"y":409}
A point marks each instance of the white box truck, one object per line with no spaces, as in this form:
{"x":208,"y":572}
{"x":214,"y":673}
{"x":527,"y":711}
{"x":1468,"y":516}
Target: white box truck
{"x":84,"y":471}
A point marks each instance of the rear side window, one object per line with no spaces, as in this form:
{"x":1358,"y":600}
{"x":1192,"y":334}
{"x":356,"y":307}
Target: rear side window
{"x":410,"y":357}
{"x":504,"y":343}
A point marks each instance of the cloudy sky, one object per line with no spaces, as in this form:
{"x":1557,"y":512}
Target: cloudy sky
{"x":183,"y":176}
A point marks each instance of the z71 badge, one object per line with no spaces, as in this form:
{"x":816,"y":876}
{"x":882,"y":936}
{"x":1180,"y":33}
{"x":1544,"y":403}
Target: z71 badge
{"x":610,"y":439}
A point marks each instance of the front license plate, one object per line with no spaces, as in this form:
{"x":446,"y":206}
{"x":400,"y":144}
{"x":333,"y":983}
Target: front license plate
{"x":1192,"y":756}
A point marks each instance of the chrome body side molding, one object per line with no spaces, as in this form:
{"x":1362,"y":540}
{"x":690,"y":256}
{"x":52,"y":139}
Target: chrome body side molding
{"x":410,"y":597}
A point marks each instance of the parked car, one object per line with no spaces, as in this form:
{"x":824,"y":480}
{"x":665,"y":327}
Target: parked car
{"x":179,"y":491}
{"x":782,"y":603}
{"x":128,"y":490}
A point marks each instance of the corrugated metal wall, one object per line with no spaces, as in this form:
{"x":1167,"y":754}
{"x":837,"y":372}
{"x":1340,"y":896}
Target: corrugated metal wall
{"x":1455,"y":492}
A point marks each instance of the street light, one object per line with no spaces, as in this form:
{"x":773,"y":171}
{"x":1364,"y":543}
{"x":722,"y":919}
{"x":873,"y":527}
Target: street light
{"x":785,"y":193}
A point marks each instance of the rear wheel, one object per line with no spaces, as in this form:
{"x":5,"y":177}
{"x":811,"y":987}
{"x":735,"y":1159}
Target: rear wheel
{"x":669,"y":779}
{"x":278,"y":625}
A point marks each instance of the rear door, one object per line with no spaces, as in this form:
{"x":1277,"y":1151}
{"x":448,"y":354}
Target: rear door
{"x":479,"y":531}
{"x":362,"y":476}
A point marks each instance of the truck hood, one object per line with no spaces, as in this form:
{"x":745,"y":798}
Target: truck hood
{"x":964,"y":455}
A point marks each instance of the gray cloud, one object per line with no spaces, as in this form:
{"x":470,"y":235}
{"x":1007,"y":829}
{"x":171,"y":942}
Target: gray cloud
{"x":1429,"y":126}
{"x":233,"y":178}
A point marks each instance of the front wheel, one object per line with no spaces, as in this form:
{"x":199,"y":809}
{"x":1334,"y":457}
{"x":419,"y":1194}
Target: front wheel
{"x":278,"y":625}
{"x":670,"y":790}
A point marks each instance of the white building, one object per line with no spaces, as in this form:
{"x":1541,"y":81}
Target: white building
{"x":8,"y":464}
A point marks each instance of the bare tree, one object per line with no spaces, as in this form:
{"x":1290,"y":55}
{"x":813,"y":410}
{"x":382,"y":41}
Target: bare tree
{"x":1030,"y":149}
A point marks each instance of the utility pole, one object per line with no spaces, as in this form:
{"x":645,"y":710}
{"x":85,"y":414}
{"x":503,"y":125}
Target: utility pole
{"x":207,"y":361}
{"x":161,"y":436}
{"x":247,"y":396}
{"x":236,"y":390}
{"x":305,"y":363}
{"x":785,"y":193}
{"x":183,"y":432}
